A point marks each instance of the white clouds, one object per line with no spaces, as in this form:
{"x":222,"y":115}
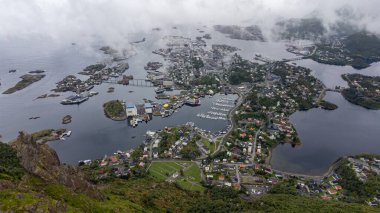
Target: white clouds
{"x":112,"y":20}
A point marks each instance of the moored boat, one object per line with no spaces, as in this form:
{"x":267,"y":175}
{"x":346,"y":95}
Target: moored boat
{"x":74,"y":99}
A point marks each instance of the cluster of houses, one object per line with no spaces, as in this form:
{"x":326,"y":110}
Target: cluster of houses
{"x":121,"y":164}
{"x":333,"y":52}
{"x":301,"y":49}
{"x":327,"y":188}
{"x":363,"y":166}
{"x":220,"y":174}
{"x":169,"y":142}
{"x":283,"y":90}
{"x":97,"y":73}
{"x":254,"y":179}
{"x":188,"y":59}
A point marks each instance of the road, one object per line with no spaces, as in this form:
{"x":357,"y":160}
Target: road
{"x":151,"y":146}
{"x":255,"y":144}
{"x":237,"y":174}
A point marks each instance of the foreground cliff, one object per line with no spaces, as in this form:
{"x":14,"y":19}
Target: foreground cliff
{"x":32,"y":179}
{"x":40,"y":160}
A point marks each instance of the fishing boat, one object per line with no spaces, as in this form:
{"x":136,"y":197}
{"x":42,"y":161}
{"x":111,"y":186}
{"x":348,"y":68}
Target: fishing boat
{"x":74,"y":99}
{"x":159,"y":90}
{"x":193,"y":102}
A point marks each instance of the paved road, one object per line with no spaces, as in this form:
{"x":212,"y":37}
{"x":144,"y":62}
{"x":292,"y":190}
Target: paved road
{"x":237,"y":173}
{"x":151,"y":146}
{"x":255,"y":144}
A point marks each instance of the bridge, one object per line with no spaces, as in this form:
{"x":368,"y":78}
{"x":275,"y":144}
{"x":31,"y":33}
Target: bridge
{"x":268,"y":60}
{"x":133,"y":82}
{"x":294,"y":59}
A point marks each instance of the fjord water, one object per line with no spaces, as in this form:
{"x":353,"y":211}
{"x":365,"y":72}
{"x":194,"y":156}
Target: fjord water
{"x":328,"y":135}
{"x":93,"y":135}
{"x":325,"y":135}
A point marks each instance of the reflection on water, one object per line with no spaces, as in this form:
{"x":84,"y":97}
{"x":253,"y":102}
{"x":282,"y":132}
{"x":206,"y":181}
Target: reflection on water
{"x":327,"y":135}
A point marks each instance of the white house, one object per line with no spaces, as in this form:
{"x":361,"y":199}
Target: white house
{"x":131,"y":110}
{"x":148,"y":108}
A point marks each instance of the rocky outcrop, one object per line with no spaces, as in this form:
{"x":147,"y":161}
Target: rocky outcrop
{"x":40,"y":160}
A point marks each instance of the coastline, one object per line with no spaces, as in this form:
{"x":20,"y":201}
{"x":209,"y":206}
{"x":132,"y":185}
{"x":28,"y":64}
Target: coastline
{"x":333,"y":166}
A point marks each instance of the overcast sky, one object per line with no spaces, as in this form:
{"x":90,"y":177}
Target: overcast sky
{"x":112,"y":20}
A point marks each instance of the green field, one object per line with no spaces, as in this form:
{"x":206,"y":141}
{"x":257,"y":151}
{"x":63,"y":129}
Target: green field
{"x":190,"y":180}
{"x":210,"y":146}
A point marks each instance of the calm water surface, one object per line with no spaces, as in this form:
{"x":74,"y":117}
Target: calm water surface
{"x":325,"y":135}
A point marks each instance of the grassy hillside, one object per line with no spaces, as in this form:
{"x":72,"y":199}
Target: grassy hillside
{"x":10,"y":168}
{"x":22,"y":192}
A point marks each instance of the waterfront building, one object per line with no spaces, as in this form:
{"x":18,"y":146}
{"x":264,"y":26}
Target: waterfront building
{"x":148,"y":108}
{"x":131,"y":110}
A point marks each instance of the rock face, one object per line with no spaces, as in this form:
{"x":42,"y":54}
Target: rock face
{"x":40,"y":160}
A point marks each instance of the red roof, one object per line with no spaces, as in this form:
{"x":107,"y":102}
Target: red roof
{"x":113,"y":159}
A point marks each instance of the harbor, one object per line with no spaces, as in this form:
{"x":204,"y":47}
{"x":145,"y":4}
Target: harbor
{"x":96,"y":135}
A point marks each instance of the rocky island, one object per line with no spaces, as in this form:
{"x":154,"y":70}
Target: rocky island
{"x":66,"y":119}
{"x":27,"y":80}
{"x":115,"y":110}
{"x":363,"y":90}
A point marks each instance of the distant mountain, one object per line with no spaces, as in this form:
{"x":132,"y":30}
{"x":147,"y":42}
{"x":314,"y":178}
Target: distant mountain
{"x":306,"y":28}
{"x":242,"y":33}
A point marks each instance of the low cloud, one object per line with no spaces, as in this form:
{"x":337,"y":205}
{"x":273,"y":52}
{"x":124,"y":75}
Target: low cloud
{"x":112,"y":21}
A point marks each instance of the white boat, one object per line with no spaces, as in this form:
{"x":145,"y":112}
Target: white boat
{"x":68,"y":133}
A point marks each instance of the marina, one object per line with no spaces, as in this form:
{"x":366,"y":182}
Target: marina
{"x":221,"y":109}
{"x":201,"y":115}
{"x":223,"y":105}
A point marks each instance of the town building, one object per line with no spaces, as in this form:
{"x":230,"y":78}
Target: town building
{"x":148,"y":108}
{"x":131,"y":110}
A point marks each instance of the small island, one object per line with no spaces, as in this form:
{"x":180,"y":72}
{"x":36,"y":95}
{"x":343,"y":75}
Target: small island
{"x":27,"y":80}
{"x":37,"y":71}
{"x":66,"y":119}
{"x":115,"y":110}
{"x":363,"y":90}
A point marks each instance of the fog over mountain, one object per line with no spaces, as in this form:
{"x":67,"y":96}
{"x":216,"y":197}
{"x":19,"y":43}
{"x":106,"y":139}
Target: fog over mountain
{"x":112,"y":20}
